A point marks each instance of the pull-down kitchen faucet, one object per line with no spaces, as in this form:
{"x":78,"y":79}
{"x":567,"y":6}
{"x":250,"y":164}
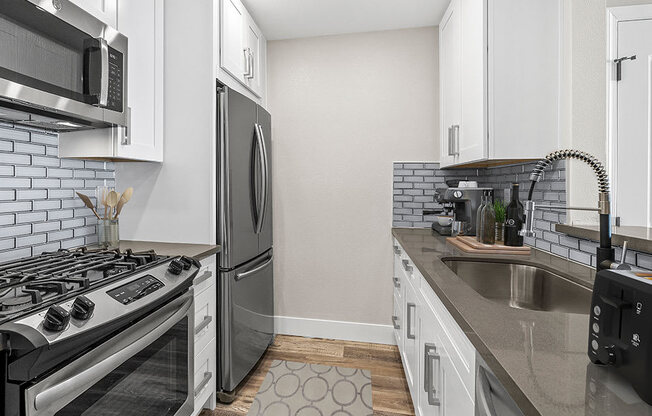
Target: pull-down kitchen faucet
{"x":605,"y":252}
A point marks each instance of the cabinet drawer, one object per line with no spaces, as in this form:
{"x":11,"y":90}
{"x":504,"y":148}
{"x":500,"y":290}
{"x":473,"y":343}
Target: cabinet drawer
{"x":205,"y":308}
{"x":205,"y":374}
{"x":459,"y":348}
{"x":206,"y":276}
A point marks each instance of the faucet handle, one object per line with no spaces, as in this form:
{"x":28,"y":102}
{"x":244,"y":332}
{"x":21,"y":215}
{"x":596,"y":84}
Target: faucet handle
{"x":623,"y":255}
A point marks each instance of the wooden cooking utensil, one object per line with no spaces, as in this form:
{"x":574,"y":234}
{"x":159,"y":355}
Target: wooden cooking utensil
{"x":124,"y":198}
{"x":111,"y":202}
{"x":88,"y":203}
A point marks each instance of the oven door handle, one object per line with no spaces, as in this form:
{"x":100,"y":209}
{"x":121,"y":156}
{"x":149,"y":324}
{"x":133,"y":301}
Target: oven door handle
{"x":122,"y":348}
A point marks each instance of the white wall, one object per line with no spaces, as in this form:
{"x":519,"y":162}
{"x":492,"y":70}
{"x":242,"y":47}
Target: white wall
{"x":344,"y":107}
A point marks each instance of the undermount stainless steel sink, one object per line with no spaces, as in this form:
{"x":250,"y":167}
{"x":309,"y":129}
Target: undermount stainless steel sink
{"x":521,"y":286}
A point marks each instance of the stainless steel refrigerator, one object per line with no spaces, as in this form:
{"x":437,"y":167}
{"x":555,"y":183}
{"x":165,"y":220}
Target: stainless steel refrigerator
{"x":245,"y":292}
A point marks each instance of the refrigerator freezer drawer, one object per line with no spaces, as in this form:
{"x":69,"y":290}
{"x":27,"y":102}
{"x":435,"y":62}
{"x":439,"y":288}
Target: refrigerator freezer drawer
{"x":247,"y":318}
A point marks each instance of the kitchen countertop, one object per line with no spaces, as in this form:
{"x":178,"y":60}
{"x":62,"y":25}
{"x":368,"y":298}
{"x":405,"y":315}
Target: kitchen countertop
{"x":540,"y":357}
{"x":199,"y":251}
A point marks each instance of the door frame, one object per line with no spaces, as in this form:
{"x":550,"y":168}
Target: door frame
{"x":615,"y":15}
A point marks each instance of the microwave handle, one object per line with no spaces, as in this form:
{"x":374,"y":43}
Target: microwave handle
{"x":126,"y":346}
{"x":104,"y":83}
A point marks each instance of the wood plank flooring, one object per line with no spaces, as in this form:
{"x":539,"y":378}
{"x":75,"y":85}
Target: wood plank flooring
{"x":391,"y":396}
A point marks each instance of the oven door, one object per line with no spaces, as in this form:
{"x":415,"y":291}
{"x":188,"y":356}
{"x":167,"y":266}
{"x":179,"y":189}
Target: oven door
{"x":148,"y":369}
{"x":57,"y":58}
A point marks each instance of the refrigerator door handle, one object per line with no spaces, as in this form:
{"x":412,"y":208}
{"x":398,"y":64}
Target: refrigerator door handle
{"x":251,"y":272}
{"x":260,"y":204}
{"x":265,"y":182}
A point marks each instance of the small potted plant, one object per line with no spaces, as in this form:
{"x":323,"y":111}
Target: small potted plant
{"x":499,"y":208}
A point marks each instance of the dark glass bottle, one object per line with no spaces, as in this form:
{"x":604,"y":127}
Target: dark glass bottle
{"x":514,"y":220}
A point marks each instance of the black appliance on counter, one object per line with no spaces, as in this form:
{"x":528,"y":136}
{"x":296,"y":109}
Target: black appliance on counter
{"x":97,"y":332}
{"x":620,"y":328}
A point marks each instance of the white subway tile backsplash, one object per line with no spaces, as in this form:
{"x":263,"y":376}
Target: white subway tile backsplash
{"x":15,"y":230}
{"x":30,"y":172}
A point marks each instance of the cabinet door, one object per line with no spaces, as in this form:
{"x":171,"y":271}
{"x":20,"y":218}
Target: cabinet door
{"x":142,"y":22}
{"x":450,"y":88}
{"x":254,"y":45}
{"x":411,"y":340}
{"x":233,"y":54}
{"x":473,"y":134}
{"x":442,"y":391}
{"x":105,"y":10}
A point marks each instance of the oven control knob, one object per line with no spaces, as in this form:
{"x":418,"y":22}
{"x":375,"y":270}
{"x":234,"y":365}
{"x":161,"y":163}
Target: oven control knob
{"x":56,"y":319}
{"x":82,"y":308}
{"x":175,"y":267}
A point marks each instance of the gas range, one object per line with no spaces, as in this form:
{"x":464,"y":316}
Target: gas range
{"x":77,"y":318}
{"x":30,"y":283}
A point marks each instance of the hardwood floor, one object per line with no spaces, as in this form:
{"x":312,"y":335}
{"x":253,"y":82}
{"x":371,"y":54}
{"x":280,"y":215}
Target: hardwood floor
{"x":389,"y":387}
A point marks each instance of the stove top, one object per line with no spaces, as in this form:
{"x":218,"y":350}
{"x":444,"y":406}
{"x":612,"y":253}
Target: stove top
{"x":35,"y":282}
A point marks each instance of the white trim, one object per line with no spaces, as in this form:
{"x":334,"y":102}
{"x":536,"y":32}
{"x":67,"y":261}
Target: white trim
{"x":341,"y":330}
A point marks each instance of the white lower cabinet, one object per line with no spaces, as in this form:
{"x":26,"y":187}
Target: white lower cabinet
{"x":438,"y":359}
{"x":205,"y":330}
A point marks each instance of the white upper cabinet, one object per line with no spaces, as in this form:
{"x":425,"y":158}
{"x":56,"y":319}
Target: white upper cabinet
{"x":242,"y":47}
{"x":105,"y":10}
{"x":505,"y":104}
{"x":233,"y":54}
{"x":142,"y":22}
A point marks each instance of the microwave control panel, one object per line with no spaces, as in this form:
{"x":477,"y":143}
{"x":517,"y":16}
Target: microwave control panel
{"x":116,"y":77}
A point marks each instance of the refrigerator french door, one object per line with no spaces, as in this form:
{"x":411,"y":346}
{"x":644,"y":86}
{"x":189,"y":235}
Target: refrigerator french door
{"x":246,"y":285}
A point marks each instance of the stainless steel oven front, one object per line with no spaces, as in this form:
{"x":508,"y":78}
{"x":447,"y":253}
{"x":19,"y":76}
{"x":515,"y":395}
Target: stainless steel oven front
{"x":147,"y":369}
{"x":59,"y":61}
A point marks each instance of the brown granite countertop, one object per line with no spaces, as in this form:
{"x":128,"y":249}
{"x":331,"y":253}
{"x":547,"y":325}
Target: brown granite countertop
{"x":199,"y":251}
{"x":540,"y":357}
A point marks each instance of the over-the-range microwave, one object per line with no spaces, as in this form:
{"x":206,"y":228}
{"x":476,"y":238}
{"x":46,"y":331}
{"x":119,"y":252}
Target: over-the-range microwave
{"x":61,"y":68}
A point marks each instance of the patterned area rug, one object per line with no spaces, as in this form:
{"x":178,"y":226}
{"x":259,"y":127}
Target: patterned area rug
{"x":300,"y":389}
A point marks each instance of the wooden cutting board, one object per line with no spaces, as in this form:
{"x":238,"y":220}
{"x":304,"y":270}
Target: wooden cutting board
{"x":471,"y":245}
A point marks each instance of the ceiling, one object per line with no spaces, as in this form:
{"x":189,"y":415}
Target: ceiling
{"x":289,"y":19}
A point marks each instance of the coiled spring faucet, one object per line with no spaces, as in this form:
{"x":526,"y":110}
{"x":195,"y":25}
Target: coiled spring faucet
{"x":605,"y":252}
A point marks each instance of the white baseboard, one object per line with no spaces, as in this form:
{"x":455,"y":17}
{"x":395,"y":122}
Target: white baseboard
{"x":342,"y":330}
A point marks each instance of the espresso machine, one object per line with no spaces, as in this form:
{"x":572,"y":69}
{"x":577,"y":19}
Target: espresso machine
{"x":465,"y":203}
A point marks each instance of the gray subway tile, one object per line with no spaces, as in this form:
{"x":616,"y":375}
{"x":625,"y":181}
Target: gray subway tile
{"x":61,"y":193}
{"x":559,"y":250}
{"x":30,"y":171}
{"x":44,"y":138}
{"x":15,"y":254}
{"x":60,"y":214}
{"x":644,"y":261}
{"x":33,"y":149}
{"x":92,"y":164}
{"x":7,"y":219}
{"x":6,"y":146}
{"x":580,"y":256}
{"x":49,"y":247}
{"x":45,"y":161}
{"x":46,"y":226}
{"x":72,"y":183}
{"x":15,"y":230}
{"x":6,"y":170}
{"x":570,"y":242}
{"x":30,"y":217}
{"x":15,"y":159}
{"x":72,"y":223}
{"x":77,"y":242}
{"x":59,"y":173}
{"x":15,"y":206}
{"x":7,"y":244}
{"x":60,"y":235}
{"x":7,"y":194}
{"x":84,"y":231}
{"x":46,"y":183}
{"x":14,"y":134}
{"x":30,"y":240}
{"x":24,"y":194}
{"x":49,"y":204}
{"x":72,"y":163}
{"x":15,"y":183}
